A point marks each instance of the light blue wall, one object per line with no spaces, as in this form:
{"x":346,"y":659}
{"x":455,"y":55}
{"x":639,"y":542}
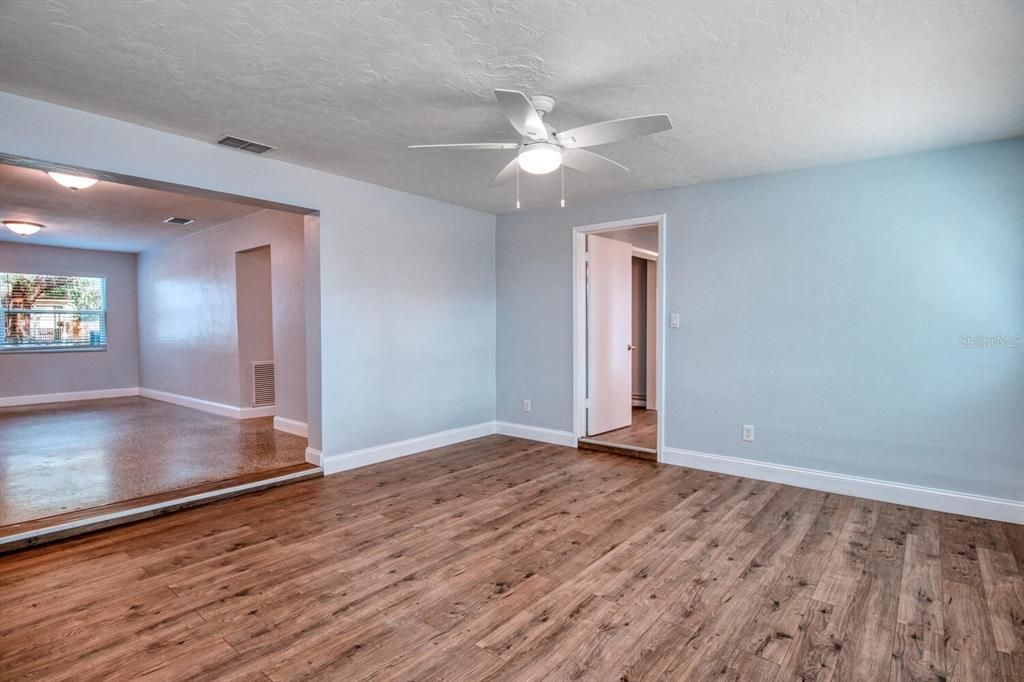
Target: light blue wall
{"x":825,"y":306}
{"x":407,"y":283}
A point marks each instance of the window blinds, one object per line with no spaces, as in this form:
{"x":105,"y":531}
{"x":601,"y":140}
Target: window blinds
{"x":43,"y":312}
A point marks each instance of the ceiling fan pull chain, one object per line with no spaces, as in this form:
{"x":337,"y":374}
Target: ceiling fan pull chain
{"x":563,"y":185}
{"x":517,"y":182}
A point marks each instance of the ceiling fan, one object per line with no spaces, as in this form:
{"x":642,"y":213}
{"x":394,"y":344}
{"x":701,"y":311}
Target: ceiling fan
{"x":542,"y":149}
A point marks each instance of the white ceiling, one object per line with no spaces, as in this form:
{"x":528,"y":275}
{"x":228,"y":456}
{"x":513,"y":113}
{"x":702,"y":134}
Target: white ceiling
{"x":107,"y":216}
{"x":751,"y":86}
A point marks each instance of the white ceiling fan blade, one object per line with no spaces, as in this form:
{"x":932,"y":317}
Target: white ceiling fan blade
{"x":591,"y":163}
{"x":521,"y":114}
{"x":507,"y":174}
{"x":614,"y":131}
{"x":468,"y":145}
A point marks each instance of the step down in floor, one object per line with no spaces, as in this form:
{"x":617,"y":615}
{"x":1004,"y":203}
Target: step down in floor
{"x":648,"y":454}
{"x":32,"y":533}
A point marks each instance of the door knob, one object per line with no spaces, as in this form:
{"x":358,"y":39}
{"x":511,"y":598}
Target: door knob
{"x":630,"y":347}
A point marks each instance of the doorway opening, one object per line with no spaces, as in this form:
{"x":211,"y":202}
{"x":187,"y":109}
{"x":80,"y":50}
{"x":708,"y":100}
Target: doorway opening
{"x":159,"y":348}
{"x":618,"y":342}
{"x":255,"y":312}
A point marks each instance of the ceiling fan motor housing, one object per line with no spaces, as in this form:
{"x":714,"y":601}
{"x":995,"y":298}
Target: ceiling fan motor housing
{"x":543,"y":103}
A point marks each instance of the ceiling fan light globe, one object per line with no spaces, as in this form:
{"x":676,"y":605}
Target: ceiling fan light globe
{"x":540,"y":158}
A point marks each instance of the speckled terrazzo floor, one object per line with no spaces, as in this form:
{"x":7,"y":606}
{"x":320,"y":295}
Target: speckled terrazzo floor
{"x":63,"y":457}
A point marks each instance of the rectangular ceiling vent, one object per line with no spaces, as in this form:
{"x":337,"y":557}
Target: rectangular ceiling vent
{"x":262,"y":384}
{"x":173,"y":220}
{"x":245,"y":145}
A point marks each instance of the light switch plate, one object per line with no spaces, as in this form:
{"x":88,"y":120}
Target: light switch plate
{"x":674,"y":321}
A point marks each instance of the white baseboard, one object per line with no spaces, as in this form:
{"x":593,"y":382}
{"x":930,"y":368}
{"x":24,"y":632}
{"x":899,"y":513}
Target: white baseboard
{"x":254,"y":412}
{"x":966,"y":504}
{"x":287,"y":425}
{"x":221,"y":409}
{"x":291,"y":426}
{"x":314,"y":457}
{"x":537,"y":433}
{"x":344,"y":461}
{"x":41,"y":398}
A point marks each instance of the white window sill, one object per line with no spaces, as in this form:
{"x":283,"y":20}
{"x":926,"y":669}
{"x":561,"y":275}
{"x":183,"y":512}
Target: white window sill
{"x":16,"y":350}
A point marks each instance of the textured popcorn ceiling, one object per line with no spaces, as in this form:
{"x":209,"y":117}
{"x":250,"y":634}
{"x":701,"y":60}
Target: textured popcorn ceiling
{"x":751,"y":86}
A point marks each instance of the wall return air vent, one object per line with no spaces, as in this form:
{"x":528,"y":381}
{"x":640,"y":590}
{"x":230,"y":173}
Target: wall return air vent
{"x":245,"y":145}
{"x":262,"y":384}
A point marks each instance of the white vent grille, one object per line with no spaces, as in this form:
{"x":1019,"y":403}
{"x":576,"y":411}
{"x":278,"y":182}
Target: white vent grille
{"x":262,"y":384}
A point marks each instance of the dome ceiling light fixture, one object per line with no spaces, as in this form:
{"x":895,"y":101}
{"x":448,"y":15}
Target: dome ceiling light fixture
{"x":543,"y":150}
{"x":22,"y":228}
{"x":72,"y":182}
{"x":540,"y":157}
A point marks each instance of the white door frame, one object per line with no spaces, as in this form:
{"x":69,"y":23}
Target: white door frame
{"x":579,"y":318}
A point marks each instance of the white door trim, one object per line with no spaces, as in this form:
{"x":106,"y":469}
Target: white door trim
{"x":579,"y":320}
{"x":651,"y":335}
{"x":644,"y":253}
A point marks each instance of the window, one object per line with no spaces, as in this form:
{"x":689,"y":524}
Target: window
{"x":52,"y":312}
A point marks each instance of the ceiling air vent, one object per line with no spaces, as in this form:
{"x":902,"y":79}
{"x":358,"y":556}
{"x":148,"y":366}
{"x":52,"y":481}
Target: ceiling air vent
{"x":245,"y":145}
{"x":179,"y":221}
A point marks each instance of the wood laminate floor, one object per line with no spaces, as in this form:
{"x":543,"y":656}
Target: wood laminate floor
{"x":62,"y":458}
{"x":503,"y":559}
{"x":642,"y":432}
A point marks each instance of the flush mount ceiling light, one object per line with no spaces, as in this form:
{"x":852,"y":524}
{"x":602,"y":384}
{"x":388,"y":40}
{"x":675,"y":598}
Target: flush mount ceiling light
{"x":540,"y":158}
{"x":73,"y":182}
{"x":22,"y":228}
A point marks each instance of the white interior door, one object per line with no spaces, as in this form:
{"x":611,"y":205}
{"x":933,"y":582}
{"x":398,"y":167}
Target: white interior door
{"x":609,"y":334}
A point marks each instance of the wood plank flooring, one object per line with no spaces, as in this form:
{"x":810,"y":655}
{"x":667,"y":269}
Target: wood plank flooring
{"x":503,"y":559}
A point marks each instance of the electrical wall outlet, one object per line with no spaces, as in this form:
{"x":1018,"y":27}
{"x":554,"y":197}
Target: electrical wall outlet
{"x":748,"y":433}
{"x":527,"y":407}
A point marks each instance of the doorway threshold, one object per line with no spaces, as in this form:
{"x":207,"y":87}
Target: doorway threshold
{"x":648,"y":454}
{"x":62,"y":526}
